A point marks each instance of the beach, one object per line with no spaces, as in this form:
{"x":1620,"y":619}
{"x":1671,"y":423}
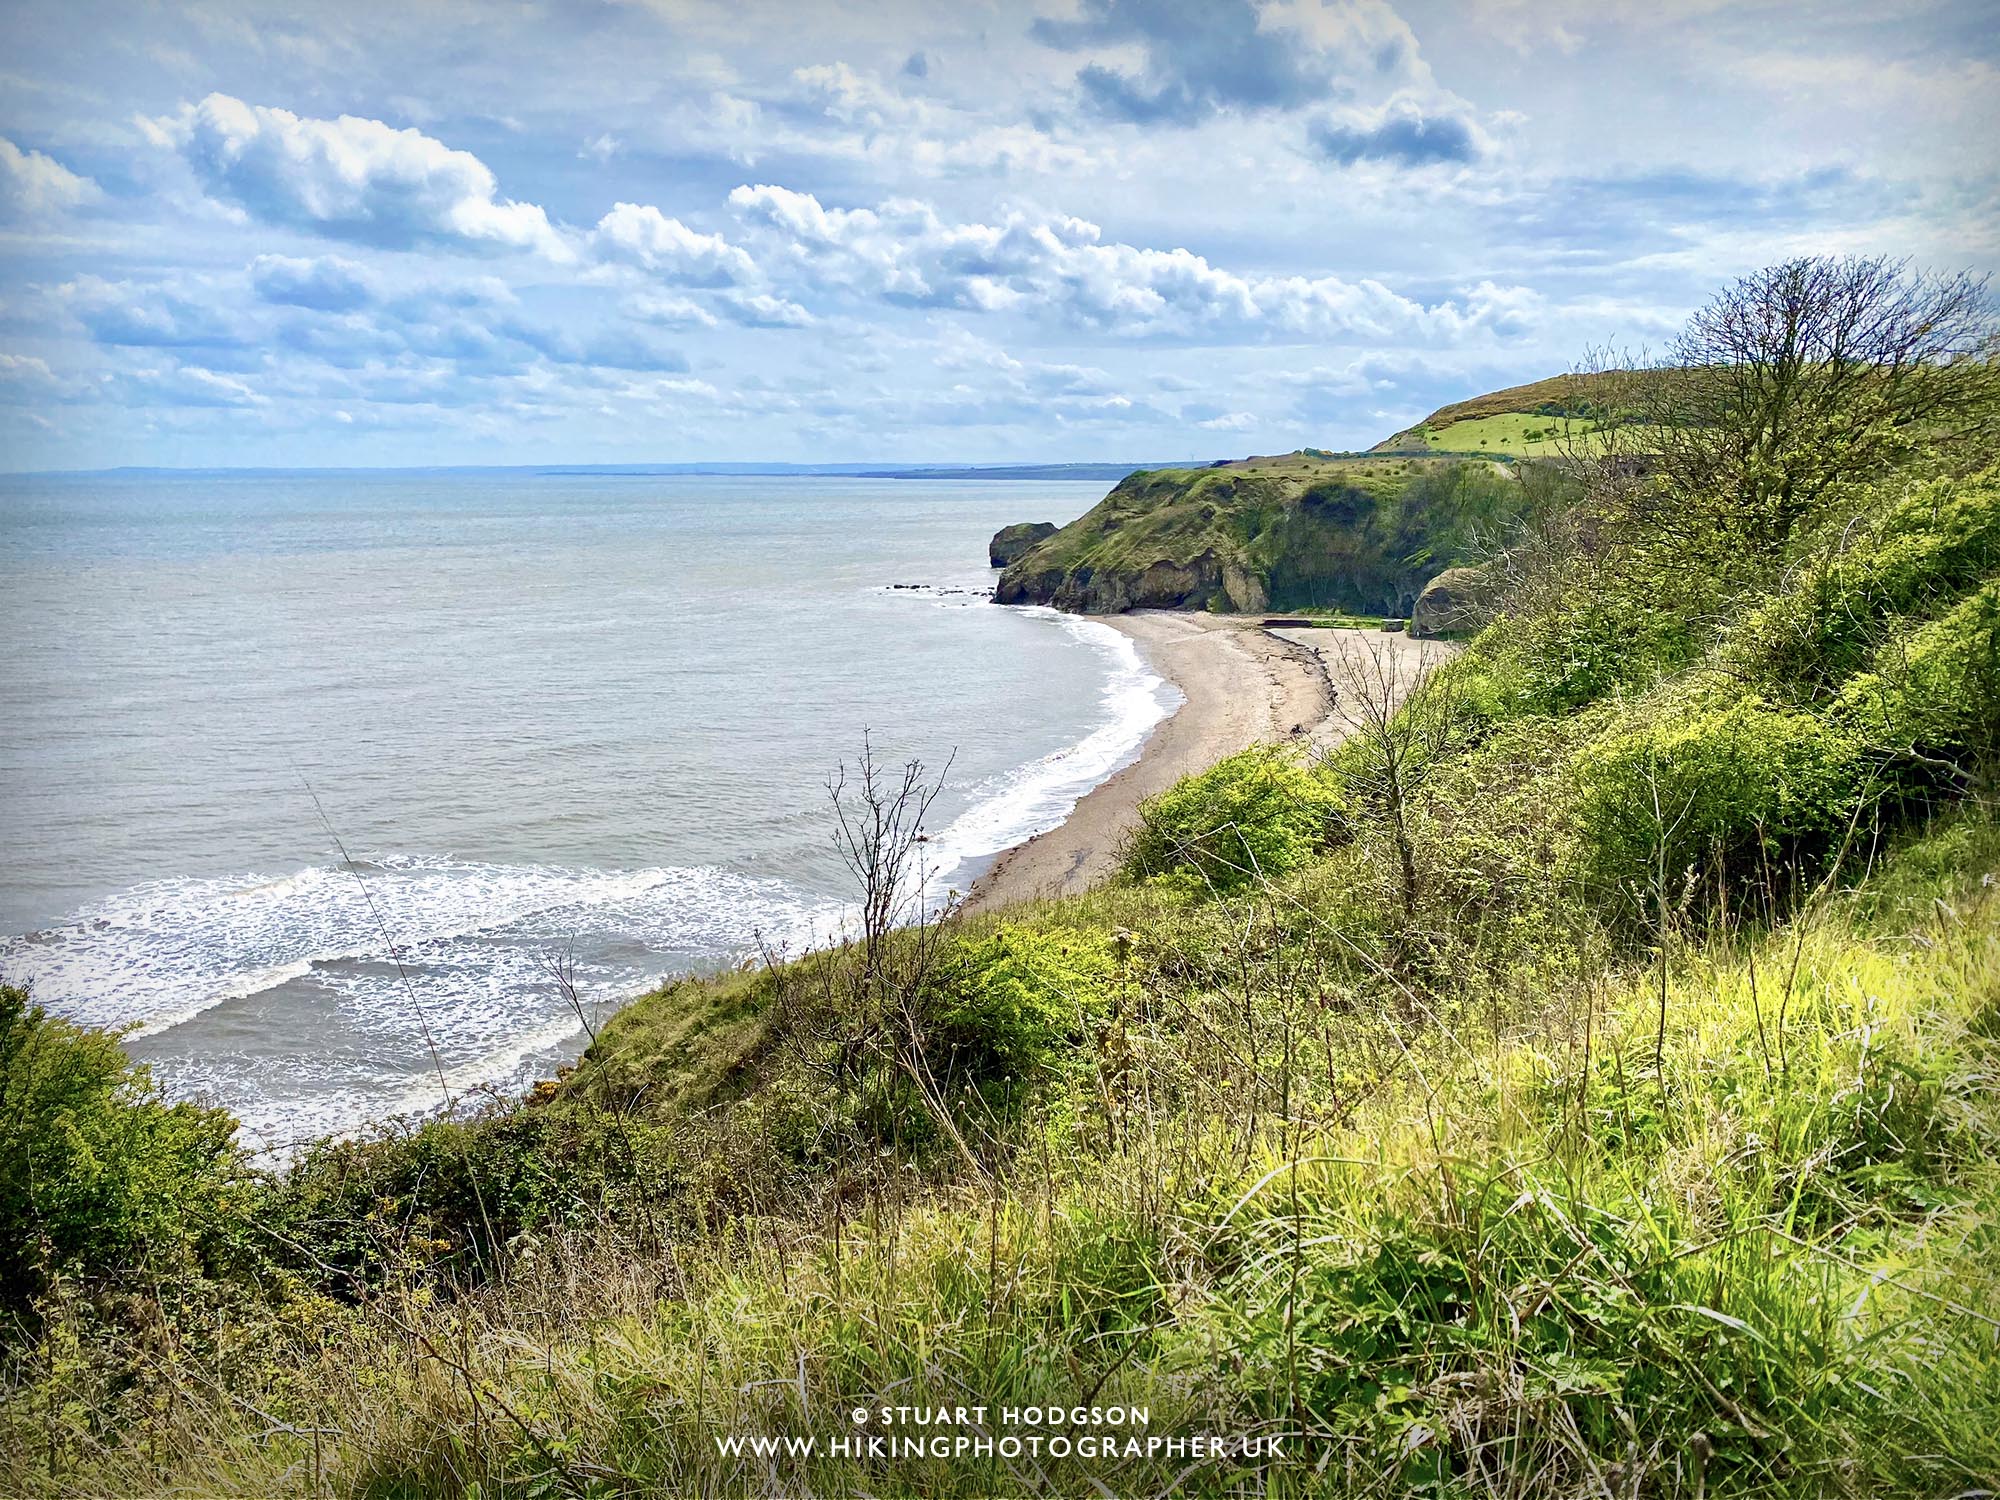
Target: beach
{"x":1243,"y":685}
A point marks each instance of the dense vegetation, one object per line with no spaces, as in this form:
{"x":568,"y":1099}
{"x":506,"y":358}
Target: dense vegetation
{"x":1299,"y":531}
{"x":1584,"y":1082}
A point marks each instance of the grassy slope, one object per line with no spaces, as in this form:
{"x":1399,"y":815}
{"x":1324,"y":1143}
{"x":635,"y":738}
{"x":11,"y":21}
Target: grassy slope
{"x":1265,"y":533}
{"x":1431,"y":1243}
{"x":1523,"y":420}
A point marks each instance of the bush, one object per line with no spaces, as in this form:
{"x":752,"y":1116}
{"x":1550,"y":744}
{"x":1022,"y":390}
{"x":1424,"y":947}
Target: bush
{"x":1260,"y":812}
{"x":1931,"y":702}
{"x":449,"y":1196}
{"x":1599,"y":641}
{"x":99,"y":1175}
{"x":1017,"y":1001}
{"x":1713,"y":793}
{"x":1913,"y":559}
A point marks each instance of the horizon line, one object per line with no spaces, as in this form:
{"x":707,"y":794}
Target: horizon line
{"x":750,"y":467}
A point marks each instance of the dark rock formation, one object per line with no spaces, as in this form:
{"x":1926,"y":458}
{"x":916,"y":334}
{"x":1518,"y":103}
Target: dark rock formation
{"x":1453,"y":603}
{"x":1010,"y":542}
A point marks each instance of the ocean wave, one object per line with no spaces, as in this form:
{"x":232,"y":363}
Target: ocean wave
{"x":158,"y":955}
{"x":1037,"y":796}
{"x":348,"y":995}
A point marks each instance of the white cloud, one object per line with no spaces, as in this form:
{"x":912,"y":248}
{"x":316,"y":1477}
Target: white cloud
{"x":33,"y":185}
{"x":351,"y":178}
{"x":762,"y":310}
{"x":1060,"y":266}
{"x":640,"y":235}
{"x":667,"y":310}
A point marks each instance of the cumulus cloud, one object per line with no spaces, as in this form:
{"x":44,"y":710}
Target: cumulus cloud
{"x":667,"y":310}
{"x":351,"y":178}
{"x":324,"y":284}
{"x":640,"y":235}
{"x":762,"y":310}
{"x":1201,"y":57}
{"x":1402,"y":132}
{"x":1061,"y":267}
{"x":33,"y":185}
{"x":130,"y":315}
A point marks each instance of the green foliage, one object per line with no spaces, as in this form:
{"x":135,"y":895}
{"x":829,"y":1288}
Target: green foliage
{"x":1259,"y":813}
{"x":1019,"y":1001}
{"x":1684,"y":796}
{"x":1910,"y":560}
{"x":1597,"y":640}
{"x":446,"y":1197}
{"x":99,"y":1176}
{"x":1930,"y":703}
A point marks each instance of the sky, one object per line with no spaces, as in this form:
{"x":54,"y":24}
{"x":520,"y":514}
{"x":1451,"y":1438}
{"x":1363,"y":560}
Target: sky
{"x":984,"y":231}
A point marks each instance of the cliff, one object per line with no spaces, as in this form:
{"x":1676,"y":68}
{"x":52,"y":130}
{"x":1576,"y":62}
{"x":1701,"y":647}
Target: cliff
{"x":1011,"y":542}
{"x":1306,"y":529}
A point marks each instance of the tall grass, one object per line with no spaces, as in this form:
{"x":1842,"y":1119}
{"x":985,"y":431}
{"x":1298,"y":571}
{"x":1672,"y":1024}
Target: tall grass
{"x":1478,"y":1248}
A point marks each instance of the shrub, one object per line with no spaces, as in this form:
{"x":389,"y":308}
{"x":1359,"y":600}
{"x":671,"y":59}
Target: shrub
{"x":1260,"y":812}
{"x":1014,"y":1002}
{"x":1931,"y":701}
{"x":449,"y":1195}
{"x":1711,"y":793}
{"x":99,"y":1175}
{"x":1917,"y":556}
{"x":1600,"y":640}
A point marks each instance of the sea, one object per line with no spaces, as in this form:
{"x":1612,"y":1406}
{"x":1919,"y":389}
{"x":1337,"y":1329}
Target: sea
{"x":345,"y":794}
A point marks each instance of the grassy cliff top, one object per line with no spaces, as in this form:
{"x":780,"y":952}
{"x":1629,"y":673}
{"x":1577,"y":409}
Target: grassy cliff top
{"x":1356,"y":531}
{"x":1521,"y":420}
{"x":1178,"y":513}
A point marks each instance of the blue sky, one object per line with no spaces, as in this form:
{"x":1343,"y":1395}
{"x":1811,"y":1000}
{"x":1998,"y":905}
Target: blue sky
{"x":439,"y":231}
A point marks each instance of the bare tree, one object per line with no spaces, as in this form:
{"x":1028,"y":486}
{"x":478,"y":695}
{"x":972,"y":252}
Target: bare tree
{"x":1404,"y":733}
{"x":860,"y":998}
{"x":1799,"y":379}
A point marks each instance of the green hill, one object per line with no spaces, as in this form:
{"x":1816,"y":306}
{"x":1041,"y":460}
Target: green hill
{"x":1539,"y":419}
{"x":1353,"y":532}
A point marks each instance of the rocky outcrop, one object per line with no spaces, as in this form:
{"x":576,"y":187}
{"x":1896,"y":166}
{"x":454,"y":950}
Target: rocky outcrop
{"x":1202,"y":582}
{"x":1455,"y":602}
{"x":1253,"y":536}
{"x":1011,"y":543}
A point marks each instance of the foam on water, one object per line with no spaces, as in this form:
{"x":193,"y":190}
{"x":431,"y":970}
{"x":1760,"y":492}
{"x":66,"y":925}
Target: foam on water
{"x":156,"y":956}
{"x":1037,"y":796}
{"x":500,"y":665}
{"x":469,"y":970}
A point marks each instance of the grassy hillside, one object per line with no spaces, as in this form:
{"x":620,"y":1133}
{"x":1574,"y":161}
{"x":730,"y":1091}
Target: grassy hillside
{"x":1543,"y":419}
{"x":1581,"y":1083}
{"x":1289,"y":532}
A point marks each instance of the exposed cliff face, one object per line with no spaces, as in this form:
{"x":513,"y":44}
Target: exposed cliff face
{"x":1010,"y":542}
{"x":1267,"y":533}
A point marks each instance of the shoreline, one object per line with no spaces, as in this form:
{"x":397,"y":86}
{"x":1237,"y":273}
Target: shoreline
{"x":1241,"y":685}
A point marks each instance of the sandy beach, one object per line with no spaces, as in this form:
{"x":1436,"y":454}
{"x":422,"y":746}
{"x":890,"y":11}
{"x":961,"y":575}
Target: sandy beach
{"x":1243,"y":684}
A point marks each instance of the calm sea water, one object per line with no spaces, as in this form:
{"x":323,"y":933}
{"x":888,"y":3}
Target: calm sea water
{"x":546,"y":715}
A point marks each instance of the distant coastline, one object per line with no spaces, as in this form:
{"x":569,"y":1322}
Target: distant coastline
{"x":1043,"y":471}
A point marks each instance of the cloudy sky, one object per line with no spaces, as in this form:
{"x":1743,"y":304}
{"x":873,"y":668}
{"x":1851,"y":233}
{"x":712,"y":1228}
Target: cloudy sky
{"x":440,"y":231}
